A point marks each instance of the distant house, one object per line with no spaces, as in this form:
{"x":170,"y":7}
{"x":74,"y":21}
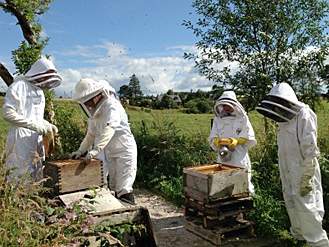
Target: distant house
{"x":175,"y":98}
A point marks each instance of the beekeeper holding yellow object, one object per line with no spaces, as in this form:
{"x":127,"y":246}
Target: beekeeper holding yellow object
{"x":108,"y":135}
{"x":298,"y":164}
{"x":232,"y":133}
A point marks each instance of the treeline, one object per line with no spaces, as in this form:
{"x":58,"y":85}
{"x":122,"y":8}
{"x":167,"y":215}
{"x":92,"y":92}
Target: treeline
{"x":191,"y":102}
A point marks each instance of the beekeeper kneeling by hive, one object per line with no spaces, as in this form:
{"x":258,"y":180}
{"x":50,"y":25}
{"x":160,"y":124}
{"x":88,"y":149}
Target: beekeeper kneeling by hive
{"x":232,"y":134}
{"x":109,"y":131}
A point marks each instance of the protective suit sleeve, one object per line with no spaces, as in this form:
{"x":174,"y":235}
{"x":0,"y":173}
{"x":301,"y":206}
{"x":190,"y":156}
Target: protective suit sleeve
{"x":308,"y":171}
{"x":10,"y":115}
{"x":104,"y":139}
{"x":86,"y":143}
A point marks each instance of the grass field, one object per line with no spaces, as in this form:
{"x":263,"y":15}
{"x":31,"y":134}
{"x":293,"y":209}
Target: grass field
{"x":185,"y":124}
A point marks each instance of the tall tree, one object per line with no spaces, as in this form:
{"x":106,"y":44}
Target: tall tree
{"x":270,"y":41}
{"x":124,"y":92}
{"x":135,"y":89}
{"x":30,"y":49}
{"x":26,"y":12}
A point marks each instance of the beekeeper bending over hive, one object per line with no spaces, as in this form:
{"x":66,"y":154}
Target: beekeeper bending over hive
{"x":232,"y":134}
{"x":23,"y":109}
{"x":109,"y":129}
{"x":298,"y":164}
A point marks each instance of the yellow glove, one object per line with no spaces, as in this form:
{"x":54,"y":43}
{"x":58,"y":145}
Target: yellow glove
{"x":217,"y":141}
{"x":242,"y":140}
{"x":234,"y":142}
{"x":306,"y":183}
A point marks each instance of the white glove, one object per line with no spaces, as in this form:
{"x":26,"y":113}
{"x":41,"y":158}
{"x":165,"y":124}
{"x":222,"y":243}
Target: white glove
{"x":75,"y":155}
{"x":90,"y":155}
{"x":40,"y":128}
{"x":306,"y":183}
{"x":50,"y":127}
{"x":84,"y":146}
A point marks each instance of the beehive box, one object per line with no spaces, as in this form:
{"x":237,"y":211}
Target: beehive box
{"x":214,"y":182}
{"x":70,"y":175}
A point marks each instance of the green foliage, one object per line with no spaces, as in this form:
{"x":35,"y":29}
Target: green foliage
{"x":71,"y":124}
{"x":163,"y":153}
{"x":266,"y":42}
{"x":198,"y":106}
{"x":166,"y":102}
{"x":26,"y":55}
{"x":324,"y":165}
{"x":131,"y":92}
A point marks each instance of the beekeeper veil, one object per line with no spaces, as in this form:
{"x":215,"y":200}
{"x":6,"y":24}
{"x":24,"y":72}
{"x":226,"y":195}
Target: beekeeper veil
{"x":280,"y":104}
{"x":228,"y":106}
{"x":43,"y":74}
{"x":91,"y":96}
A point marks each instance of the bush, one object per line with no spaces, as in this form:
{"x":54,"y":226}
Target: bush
{"x":162,"y":155}
{"x":72,"y":127}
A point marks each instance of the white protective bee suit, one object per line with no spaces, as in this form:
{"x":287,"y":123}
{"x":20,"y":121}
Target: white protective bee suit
{"x":298,"y":164}
{"x":24,"y":109}
{"x":235,"y":126}
{"x":109,"y":129}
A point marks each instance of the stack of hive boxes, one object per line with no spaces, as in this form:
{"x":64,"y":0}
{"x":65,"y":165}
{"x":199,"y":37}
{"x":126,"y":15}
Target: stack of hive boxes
{"x":217,"y":201}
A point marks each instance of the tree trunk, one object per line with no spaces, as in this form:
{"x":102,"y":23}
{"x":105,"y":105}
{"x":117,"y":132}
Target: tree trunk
{"x":5,"y":75}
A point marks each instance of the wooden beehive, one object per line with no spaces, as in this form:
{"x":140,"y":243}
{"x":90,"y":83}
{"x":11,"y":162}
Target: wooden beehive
{"x":70,"y":175}
{"x":215,"y":181}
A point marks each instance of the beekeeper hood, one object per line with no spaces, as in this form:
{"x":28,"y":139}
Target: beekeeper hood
{"x":43,"y":74}
{"x":228,"y":105}
{"x":280,"y":104}
{"x":92,"y":95}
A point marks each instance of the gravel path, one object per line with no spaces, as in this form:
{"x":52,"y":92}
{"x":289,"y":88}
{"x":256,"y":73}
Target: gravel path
{"x":169,"y":224}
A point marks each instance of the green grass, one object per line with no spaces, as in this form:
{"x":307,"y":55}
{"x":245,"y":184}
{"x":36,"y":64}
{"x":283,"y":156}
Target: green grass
{"x":186,"y":124}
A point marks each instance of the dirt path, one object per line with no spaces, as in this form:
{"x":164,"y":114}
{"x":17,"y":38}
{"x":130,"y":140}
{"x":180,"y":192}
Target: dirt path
{"x":169,"y":224}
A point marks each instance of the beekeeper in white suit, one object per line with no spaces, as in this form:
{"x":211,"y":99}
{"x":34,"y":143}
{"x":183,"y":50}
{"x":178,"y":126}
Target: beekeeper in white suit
{"x":232,"y":123}
{"x":24,"y":109}
{"x":109,"y":129}
{"x":299,"y":167}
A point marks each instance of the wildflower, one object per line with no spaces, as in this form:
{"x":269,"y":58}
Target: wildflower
{"x":85,"y":229}
{"x":62,"y":221}
{"x":52,"y":219}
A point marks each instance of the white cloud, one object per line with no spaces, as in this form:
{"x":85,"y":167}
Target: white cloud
{"x":113,"y":62}
{"x":156,"y":74}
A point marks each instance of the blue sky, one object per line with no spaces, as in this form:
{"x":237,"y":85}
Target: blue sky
{"x":113,"y":39}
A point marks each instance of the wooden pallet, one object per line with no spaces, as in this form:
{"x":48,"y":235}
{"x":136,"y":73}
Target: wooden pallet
{"x":221,"y":234}
{"x":218,"y":207}
{"x":218,"y":213}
